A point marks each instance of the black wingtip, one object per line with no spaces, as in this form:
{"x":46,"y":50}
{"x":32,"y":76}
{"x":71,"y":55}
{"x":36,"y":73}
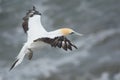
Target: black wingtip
{"x":13,"y":65}
{"x":34,"y":8}
{"x":75,"y":46}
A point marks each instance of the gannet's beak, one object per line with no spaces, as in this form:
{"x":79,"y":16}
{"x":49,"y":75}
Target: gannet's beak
{"x":78,"y":33}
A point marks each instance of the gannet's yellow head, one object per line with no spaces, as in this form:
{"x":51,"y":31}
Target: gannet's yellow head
{"x":67,"y":31}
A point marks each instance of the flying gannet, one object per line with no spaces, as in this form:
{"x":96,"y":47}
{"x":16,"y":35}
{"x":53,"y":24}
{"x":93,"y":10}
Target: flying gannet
{"x":36,"y":34}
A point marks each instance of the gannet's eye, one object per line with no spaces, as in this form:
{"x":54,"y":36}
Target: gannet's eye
{"x":72,"y":33}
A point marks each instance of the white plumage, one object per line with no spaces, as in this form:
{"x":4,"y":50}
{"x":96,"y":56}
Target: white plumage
{"x":36,"y":29}
{"x":37,"y":35}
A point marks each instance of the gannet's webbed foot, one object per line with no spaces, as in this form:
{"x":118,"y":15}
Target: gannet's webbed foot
{"x":30,"y":54}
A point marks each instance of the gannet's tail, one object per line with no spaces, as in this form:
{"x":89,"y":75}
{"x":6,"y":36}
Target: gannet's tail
{"x":20,"y":56}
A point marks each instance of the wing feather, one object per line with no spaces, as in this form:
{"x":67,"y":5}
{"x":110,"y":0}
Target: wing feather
{"x":60,"y":42}
{"x":32,"y":24}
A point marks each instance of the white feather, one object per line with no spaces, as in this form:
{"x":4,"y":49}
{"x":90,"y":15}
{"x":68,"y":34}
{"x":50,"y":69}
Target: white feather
{"x":20,"y":56}
{"x":36,"y":29}
{"x":53,"y":34}
{"x":23,"y":51}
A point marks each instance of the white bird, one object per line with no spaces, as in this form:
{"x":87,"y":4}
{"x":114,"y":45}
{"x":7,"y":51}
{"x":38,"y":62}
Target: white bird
{"x":36,"y":35}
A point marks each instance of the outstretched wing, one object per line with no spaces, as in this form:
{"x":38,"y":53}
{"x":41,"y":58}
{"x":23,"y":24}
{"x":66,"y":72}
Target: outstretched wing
{"x":29,"y":14}
{"x":25,"y":50}
{"x":32,"y":24}
{"x":61,"y":42}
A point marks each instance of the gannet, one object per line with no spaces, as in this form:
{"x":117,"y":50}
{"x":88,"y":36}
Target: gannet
{"x":36,"y":35}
